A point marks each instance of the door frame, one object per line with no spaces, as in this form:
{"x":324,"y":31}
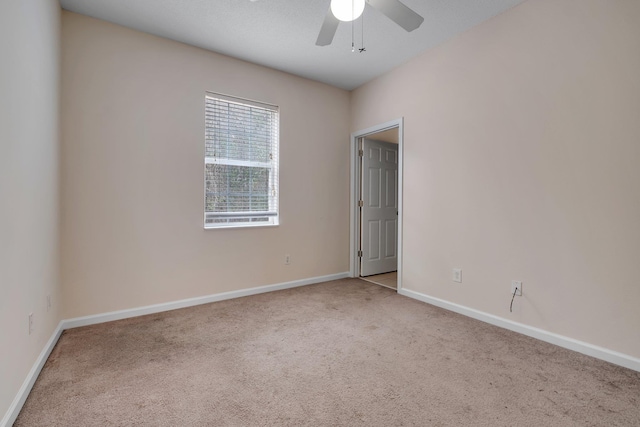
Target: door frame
{"x":354,"y":227}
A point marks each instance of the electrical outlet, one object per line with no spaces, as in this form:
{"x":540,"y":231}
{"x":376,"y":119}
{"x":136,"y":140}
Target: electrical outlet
{"x":287,"y":259}
{"x":30,"y":323}
{"x":457,"y":275}
{"x":516,"y":286}
{"x":48,"y":302}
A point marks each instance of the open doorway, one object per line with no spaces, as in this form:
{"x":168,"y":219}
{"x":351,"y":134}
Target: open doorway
{"x":376,"y":204}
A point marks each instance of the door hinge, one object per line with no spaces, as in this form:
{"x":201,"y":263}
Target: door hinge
{"x":361,"y":203}
{"x":361,"y":153}
{"x":360,"y":254}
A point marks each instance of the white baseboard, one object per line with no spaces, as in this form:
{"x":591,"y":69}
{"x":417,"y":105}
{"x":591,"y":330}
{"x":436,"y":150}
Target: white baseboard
{"x":190,"y":302}
{"x":13,"y":411}
{"x":23,"y":393}
{"x":550,"y":337}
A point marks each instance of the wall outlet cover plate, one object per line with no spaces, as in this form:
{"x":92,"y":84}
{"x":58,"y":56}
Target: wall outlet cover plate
{"x":457,"y":275}
{"x":516,"y":284}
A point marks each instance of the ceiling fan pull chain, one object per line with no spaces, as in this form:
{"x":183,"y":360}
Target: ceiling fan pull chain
{"x":353,"y":49}
{"x":362,"y":48}
{"x":353,"y":46}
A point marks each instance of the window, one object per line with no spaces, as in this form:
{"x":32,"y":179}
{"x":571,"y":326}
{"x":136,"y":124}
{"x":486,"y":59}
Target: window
{"x":241,"y":162}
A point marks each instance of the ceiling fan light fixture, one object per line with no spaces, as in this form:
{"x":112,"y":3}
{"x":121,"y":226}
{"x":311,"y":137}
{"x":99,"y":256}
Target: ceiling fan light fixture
{"x":347,"y":10}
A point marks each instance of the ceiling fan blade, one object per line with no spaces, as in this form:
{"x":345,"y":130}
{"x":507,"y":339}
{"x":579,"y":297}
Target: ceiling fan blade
{"x":398,"y":13}
{"x":328,"y":30}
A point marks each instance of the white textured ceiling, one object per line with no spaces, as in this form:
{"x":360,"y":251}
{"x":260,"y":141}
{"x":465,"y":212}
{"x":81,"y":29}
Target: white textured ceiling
{"x":281,"y":34}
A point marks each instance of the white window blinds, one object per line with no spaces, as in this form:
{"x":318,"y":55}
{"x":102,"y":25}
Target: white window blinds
{"x":241,"y":162}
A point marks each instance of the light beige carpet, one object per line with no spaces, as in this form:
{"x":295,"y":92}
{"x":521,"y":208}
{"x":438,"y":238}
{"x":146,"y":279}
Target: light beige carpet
{"x":390,"y":280}
{"x":343,"y":353}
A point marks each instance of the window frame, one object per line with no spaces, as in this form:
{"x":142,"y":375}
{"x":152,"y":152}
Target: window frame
{"x":273,"y":185}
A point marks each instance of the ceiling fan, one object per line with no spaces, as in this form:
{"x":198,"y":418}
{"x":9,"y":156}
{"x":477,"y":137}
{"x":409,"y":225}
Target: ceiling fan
{"x":349,"y":10}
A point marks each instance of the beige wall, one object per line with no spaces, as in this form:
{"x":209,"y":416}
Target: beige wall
{"x":521,"y":162}
{"x":29,"y":87}
{"x":132,"y":173}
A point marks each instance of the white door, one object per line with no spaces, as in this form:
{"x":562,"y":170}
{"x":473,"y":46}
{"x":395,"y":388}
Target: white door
{"x":379,"y":219}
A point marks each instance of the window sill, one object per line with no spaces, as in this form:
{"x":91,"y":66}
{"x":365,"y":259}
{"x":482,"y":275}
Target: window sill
{"x":227,"y":227}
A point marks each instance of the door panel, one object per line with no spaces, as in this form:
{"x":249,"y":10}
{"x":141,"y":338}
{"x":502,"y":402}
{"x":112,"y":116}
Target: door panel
{"x":379,"y":213}
{"x":391,"y":200}
{"x":391,"y":238}
{"x":374,"y":188}
{"x":374,"y":247}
